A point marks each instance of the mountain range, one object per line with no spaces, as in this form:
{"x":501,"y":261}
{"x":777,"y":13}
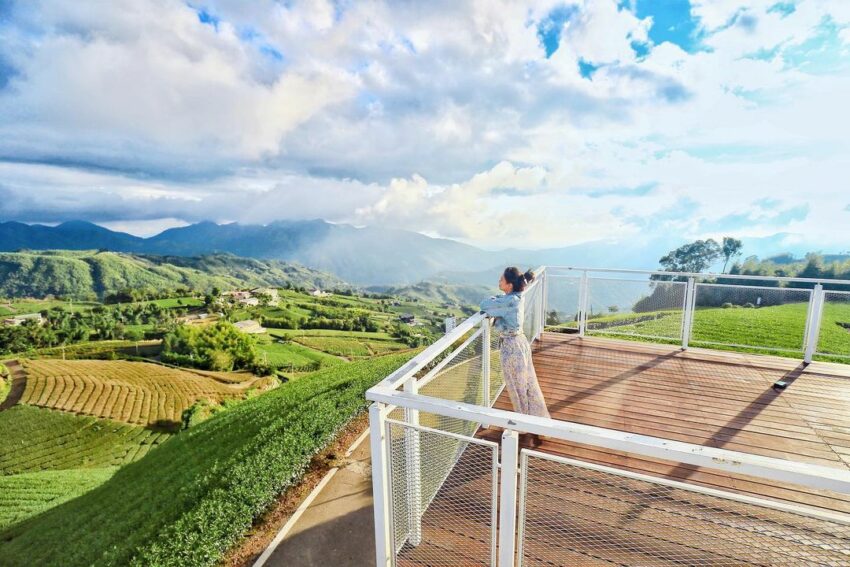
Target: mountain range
{"x":362,"y":256}
{"x":89,"y":274}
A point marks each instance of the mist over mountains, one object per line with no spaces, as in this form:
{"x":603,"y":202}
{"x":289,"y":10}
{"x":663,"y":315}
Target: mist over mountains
{"x":362,"y":256}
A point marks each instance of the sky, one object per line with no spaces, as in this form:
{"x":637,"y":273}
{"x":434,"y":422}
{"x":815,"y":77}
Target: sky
{"x":497,"y":123}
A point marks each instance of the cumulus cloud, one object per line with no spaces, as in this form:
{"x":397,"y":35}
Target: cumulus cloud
{"x":496,"y":122}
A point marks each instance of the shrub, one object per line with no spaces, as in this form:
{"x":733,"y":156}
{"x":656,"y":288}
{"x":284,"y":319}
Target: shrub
{"x":727,"y":305}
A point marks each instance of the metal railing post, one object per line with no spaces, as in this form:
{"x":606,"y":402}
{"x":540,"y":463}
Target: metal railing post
{"x":814,"y":322}
{"x":688,"y":315}
{"x":413,"y":462}
{"x":541,"y":323}
{"x":485,"y":360}
{"x":380,"y":484}
{"x":508,"y":498}
{"x":582,"y":304}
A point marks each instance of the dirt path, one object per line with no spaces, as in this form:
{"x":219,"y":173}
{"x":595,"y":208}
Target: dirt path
{"x":19,"y":383}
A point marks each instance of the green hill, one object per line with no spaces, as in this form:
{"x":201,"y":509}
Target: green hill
{"x":187,"y":501}
{"x":90,"y":274}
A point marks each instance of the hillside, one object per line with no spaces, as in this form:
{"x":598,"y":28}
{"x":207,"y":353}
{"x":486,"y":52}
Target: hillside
{"x":89,"y":274}
{"x":131,"y":392}
{"x":440,"y":292}
{"x":360,"y":255}
{"x":190,"y":499}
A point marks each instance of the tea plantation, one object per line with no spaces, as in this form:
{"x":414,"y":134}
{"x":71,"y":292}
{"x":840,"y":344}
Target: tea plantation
{"x":194,"y":496}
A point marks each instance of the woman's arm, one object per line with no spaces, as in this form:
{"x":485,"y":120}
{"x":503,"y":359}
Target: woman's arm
{"x":499,"y":305}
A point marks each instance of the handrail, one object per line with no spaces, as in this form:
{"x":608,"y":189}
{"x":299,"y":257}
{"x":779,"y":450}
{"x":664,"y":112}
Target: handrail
{"x":418,"y":362}
{"x":702,"y":275}
{"x":804,"y":474}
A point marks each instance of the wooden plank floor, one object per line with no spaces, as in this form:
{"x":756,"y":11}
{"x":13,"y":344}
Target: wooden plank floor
{"x":709,"y":398}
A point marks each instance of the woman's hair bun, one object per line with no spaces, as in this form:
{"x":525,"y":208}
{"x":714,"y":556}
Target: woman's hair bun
{"x":529,"y":276}
{"x":517,"y":279}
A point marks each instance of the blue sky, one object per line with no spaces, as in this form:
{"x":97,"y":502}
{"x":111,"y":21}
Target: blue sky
{"x":498,"y":123}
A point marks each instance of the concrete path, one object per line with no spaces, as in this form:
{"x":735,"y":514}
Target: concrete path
{"x":336,"y":528}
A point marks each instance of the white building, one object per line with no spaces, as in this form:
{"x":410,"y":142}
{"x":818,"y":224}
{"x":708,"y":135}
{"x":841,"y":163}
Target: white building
{"x":19,"y":320}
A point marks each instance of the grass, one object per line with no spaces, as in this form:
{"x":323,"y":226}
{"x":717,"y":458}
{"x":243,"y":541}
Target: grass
{"x":35,"y":439}
{"x":774,"y":329}
{"x":189,"y":500}
{"x":294,"y":355}
{"x":295,"y":333}
{"x":131,"y":392}
{"x":24,"y":306}
{"x":351,"y":347}
{"x":172,"y":302}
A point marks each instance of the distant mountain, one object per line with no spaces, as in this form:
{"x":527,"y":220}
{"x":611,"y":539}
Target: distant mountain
{"x":437,"y":292}
{"x":363,"y":256}
{"x":90,"y":274}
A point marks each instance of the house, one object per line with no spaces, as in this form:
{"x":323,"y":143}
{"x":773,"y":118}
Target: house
{"x":319,"y":293}
{"x":269,"y":291}
{"x":407,"y":318}
{"x":250,"y":327}
{"x":19,"y":320}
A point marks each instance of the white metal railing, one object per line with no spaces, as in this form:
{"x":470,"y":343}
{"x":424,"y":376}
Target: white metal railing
{"x":446,"y":393}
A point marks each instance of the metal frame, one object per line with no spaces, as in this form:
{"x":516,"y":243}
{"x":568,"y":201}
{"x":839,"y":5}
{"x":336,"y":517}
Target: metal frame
{"x":401,"y":390}
{"x":416,"y":523}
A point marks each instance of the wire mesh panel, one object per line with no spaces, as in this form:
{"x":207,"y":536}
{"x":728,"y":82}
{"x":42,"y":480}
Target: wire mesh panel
{"x":762,"y":318}
{"x":443,"y":497}
{"x":497,"y":381}
{"x":638,"y":308}
{"x":562,"y":297}
{"x":575,"y":513}
{"x":458,"y":377}
{"x":530,"y":312}
{"x":834,"y":337}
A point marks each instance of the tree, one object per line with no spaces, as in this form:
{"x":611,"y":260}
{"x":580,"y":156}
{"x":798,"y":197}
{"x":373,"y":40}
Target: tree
{"x":731,"y":249}
{"x":693,"y":257}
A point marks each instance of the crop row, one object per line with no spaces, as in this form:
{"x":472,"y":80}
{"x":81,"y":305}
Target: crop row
{"x":34,"y":439}
{"x":26,"y":495}
{"x":189,"y":500}
{"x":132,"y":392}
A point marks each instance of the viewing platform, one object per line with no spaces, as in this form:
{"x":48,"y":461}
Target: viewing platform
{"x":656,"y":454}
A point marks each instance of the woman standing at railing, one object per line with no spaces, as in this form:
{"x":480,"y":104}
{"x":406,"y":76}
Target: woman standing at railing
{"x":514,"y":350}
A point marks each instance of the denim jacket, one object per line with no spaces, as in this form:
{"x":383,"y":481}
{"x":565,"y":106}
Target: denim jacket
{"x":506,"y":310}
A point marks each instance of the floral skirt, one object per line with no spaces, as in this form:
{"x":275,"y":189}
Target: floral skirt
{"x":519,"y":375}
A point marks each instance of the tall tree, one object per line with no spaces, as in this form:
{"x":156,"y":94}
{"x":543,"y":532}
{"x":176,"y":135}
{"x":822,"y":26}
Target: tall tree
{"x":731,"y":249}
{"x":693,"y":257}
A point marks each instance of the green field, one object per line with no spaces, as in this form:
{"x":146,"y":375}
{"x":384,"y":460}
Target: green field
{"x":98,"y":350}
{"x":172,"y":302}
{"x":25,"y":495}
{"x":775,"y":329}
{"x":192,"y":498}
{"x":294,"y":356}
{"x":35,"y":439}
{"x":351,"y":347}
{"x":24,"y":306}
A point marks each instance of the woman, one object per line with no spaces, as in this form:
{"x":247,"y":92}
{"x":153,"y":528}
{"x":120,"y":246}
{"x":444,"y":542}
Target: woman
{"x":515,"y":352}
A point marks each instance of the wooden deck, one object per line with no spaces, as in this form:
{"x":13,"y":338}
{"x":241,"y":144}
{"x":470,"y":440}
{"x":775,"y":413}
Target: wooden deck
{"x":709,"y":398}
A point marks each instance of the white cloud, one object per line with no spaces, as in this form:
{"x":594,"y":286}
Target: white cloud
{"x":443,"y":117}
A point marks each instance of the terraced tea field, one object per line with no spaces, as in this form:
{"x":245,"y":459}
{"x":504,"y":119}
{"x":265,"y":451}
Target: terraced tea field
{"x":137,"y":393}
{"x":189,"y":500}
{"x":351,"y":347}
{"x":25,"y":495}
{"x":35,"y":439}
